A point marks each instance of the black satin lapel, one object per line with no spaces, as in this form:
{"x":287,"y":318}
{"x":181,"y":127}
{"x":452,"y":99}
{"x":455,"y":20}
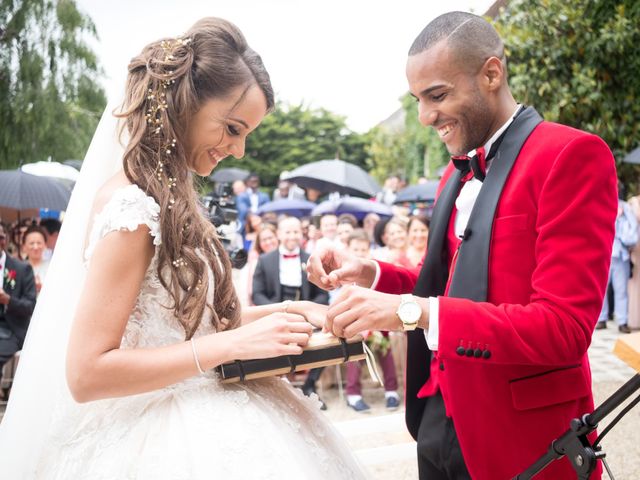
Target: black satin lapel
{"x":275,"y":267}
{"x":433,"y":275}
{"x":470,"y":277}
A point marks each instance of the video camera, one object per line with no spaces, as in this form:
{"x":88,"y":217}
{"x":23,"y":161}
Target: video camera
{"x":222,"y":211}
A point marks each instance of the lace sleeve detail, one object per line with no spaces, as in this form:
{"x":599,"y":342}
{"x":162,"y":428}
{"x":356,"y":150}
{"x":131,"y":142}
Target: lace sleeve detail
{"x":128,"y":208}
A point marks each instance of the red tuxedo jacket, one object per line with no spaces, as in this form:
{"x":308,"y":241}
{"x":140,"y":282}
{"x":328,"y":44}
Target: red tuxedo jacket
{"x":548,"y":267}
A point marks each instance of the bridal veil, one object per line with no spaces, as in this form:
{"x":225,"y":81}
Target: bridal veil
{"x":40,"y":387}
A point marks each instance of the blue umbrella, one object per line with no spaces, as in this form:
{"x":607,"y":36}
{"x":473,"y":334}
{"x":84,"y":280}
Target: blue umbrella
{"x":356,"y":206}
{"x":295,"y":208}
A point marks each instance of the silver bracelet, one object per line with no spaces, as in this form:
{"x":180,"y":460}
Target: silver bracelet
{"x":195,"y":357}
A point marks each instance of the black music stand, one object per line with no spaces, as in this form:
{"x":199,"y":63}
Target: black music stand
{"x":574,"y":443}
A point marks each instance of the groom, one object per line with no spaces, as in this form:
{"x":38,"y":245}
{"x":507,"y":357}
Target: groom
{"x":17,"y":300}
{"x":515,"y":271}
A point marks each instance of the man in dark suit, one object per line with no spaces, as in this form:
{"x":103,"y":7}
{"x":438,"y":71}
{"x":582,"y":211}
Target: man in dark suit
{"x":17,"y":300}
{"x":250,"y":200}
{"x":281,"y":275}
{"x":514,"y":274}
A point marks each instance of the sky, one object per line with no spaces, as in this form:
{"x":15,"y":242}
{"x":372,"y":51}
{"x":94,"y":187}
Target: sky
{"x":347,"y":56}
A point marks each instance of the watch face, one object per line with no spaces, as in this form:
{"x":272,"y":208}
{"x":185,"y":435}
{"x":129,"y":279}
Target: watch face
{"x":410,"y":312}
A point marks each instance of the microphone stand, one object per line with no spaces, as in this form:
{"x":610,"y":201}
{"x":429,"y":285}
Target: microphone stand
{"x":574,"y":443}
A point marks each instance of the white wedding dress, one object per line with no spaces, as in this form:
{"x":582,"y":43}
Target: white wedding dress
{"x":198,"y":428}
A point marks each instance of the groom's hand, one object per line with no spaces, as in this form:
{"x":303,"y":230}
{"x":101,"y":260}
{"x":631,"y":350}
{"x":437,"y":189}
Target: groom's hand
{"x":356,"y":309}
{"x":330,"y":267}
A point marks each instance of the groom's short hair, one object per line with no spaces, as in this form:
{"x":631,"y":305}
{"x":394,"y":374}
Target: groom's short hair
{"x":471,"y":38}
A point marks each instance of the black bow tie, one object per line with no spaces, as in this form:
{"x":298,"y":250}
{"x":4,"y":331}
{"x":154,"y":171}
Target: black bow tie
{"x":470,"y":167}
{"x":476,"y":166}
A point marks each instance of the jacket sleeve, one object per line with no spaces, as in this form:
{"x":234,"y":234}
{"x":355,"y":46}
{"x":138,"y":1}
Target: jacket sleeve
{"x":397,"y":280}
{"x":259,"y":293}
{"x":574,"y":231}
{"x":22,"y":302}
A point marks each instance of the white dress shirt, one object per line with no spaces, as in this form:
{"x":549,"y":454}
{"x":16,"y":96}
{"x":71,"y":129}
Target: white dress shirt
{"x":253,"y":200}
{"x":290,"y":268}
{"x":3,"y":259}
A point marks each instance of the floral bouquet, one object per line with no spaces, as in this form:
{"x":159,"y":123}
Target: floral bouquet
{"x":377,"y":341}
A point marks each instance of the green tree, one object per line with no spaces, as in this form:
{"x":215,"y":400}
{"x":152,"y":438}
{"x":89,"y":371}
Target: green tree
{"x":577,"y":63}
{"x":293,"y":135}
{"x":50,"y":101}
{"x":411,"y":151}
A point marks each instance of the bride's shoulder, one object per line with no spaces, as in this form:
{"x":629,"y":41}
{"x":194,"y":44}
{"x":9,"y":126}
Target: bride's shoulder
{"x":120,"y":205}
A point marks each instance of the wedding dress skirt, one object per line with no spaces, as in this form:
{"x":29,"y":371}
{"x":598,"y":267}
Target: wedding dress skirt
{"x":196,"y":429}
{"x":200,"y":429}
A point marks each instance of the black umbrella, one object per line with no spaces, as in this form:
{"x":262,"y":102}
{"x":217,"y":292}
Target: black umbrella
{"x":633,"y":157}
{"x":22,"y":191}
{"x":228,"y":175}
{"x":335,"y":176}
{"x":422,"y":192}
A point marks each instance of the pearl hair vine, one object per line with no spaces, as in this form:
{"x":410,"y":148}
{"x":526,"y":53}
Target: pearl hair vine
{"x":157,"y":104}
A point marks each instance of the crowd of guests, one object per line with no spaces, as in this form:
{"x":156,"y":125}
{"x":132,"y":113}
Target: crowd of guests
{"x":279,"y":247}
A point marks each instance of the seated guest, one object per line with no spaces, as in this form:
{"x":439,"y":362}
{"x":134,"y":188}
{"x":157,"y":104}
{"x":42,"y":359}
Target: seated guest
{"x":282,"y":275}
{"x":417,"y":236}
{"x":253,"y":224}
{"x":329,"y":226}
{"x":52,"y":229}
{"x":391,"y":235}
{"x":34,"y":244}
{"x":17,"y":299}
{"x":347,"y":223}
{"x":359,"y":246}
{"x":266,"y":241}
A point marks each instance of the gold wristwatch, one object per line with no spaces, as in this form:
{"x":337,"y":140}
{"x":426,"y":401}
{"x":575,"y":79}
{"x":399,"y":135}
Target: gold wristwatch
{"x":409,"y":312}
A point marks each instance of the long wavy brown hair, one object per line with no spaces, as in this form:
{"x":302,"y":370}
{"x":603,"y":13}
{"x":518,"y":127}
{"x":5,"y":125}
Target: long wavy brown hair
{"x":211,"y":61}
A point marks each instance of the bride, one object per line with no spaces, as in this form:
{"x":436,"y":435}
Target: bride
{"x":116,"y":380}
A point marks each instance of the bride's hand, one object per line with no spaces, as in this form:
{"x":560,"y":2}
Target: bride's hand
{"x":314,"y":313}
{"x":271,"y":336}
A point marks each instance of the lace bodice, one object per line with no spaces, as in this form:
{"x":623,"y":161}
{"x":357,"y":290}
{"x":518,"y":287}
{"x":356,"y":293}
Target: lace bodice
{"x":152,"y":322}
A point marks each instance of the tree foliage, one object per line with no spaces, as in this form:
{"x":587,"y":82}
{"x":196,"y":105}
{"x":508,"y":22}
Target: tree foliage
{"x":50,"y":102}
{"x":412,"y":152}
{"x":577,"y":63}
{"x":293,"y":135}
